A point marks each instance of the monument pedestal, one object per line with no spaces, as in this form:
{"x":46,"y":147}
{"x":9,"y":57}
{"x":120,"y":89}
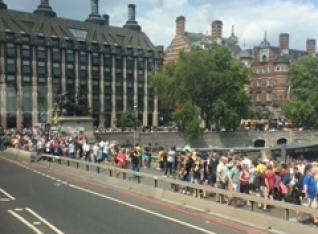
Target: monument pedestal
{"x":75,"y":124}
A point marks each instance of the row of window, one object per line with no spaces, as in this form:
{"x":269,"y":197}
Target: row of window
{"x":268,"y":69}
{"x":42,"y":103}
{"x":41,"y":53}
{"x":269,"y":97}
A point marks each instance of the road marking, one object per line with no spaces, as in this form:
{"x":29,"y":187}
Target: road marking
{"x":18,"y":209}
{"x":7,"y":194}
{"x":37,"y":223}
{"x":142,"y":209}
{"x":5,"y":199}
{"x":55,"y":229}
{"x":25,"y":222}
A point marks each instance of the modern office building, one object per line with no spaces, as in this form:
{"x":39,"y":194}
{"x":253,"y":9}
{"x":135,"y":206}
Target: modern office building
{"x":42,"y":54}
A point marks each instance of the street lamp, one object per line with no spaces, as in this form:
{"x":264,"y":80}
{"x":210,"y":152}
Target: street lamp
{"x":136,"y":124}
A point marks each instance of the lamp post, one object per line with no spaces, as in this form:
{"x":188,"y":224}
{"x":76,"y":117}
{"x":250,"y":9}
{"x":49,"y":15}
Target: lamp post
{"x":136,"y":124}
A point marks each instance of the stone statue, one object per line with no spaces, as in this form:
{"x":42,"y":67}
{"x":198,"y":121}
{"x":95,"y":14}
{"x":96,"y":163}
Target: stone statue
{"x":71,"y":104}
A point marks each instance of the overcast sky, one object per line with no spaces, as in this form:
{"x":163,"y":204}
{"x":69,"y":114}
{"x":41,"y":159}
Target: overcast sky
{"x":157,"y":17}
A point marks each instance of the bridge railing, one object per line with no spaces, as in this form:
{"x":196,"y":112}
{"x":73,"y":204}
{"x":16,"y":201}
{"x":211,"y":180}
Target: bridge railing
{"x":113,"y":171}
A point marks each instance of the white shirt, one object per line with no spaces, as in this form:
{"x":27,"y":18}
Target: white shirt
{"x":86,"y":147}
{"x":71,"y":148}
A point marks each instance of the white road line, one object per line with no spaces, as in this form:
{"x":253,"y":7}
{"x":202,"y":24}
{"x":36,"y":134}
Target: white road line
{"x":37,"y":223}
{"x":7,"y":194}
{"x":18,"y":209}
{"x":5,"y":199}
{"x":142,"y":209}
{"x":25,"y":222}
{"x":55,"y":229}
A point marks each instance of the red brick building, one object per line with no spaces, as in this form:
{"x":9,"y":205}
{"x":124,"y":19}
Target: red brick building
{"x":184,"y":40}
{"x":269,"y":86}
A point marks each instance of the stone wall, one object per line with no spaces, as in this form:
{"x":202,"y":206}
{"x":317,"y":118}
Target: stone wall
{"x":211,"y":139}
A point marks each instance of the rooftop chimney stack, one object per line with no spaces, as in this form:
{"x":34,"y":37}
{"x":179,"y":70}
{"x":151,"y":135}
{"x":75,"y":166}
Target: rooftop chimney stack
{"x":131,"y":22}
{"x":217,"y":30}
{"x":94,"y":17}
{"x":106,"y":19}
{"x":3,"y":6}
{"x":284,"y":41}
{"x":180,"y":26}
{"x":45,"y":9}
{"x":131,"y":12}
{"x":311,"y":46}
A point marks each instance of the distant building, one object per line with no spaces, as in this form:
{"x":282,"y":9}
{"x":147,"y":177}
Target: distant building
{"x":42,"y":54}
{"x":184,"y":40}
{"x":269,"y":87}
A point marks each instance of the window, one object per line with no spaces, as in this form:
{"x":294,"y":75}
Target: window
{"x":119,"y":103}
{"x":80,"y":35}
{"x":140,"y":53}
{"x":40,"y":41}
{"x":268,"y":96}
{"x":26,"y":52}
{"x":108,"y":104}
{"x":258,"y":97}
{"x":11,"y":51}
{"x":70,"y":70}
{"x":269,"y":82}
{"x":140,"y":63}
{"x":129,"y":51}
{"x":96,"y":102}
{"x":258,"y":84}
{"x":56,"y":69}
{"x":151,"y":64}
{"x":41,"y":70}
{"x":83,"y":57}
{"x":70,"y":56}
{"x":95,"y":58}
{"x":83,"y":71}
{"x":56,"y":54}
{"x":281,"y":97}
{"x":264,"y":58}
{"x":41,"y":52}
{"x":11,"y":67}
{"x":11,"y":78}
{"x":26,"y":67}
{"x":26,"y":79}
{"x":55,"y":43}
{"x":95,"y":72}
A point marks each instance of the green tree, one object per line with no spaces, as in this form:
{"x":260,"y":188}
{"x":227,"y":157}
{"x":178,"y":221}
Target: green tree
{"x":302,"y":110}
{"x":207,"y":82}
{"x":127,"y":120}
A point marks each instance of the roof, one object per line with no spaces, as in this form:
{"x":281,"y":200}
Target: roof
{"x":196,"y":39}
{"x":35,"y":25}
{"x":291,"y":146}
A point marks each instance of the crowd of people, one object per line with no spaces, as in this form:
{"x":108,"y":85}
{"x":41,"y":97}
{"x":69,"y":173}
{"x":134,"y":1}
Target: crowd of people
{"x":295,"y":181}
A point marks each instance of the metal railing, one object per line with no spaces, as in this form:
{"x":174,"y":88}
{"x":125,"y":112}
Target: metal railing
{"x":140,"y":177}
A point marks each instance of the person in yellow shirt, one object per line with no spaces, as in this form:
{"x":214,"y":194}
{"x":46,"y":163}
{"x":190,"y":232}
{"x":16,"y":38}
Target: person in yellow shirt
{"x":260,"y":168}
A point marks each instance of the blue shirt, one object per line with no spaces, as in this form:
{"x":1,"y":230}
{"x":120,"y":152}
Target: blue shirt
{"x":310,"y":182}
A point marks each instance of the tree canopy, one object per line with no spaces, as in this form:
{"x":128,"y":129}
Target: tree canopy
{"x":127,"y":120}
{"x":204,"y":83}
{"x":302,"y":109}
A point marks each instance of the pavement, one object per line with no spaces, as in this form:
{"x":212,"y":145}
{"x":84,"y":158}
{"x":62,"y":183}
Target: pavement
{"x":40,"y":201}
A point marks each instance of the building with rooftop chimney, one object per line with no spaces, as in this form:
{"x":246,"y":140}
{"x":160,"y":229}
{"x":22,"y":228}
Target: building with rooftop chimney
{"x":184,"y":40}
{"x":269,"y":86}
{"x":43,"y":54}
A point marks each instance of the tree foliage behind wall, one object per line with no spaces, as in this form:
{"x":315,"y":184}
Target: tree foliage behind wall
{"x":206,"y":83}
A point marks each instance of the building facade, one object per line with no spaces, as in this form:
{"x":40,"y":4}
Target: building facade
{"x":42,"y":54}
{"x":269,"y":86}
{"x":184,"y":40}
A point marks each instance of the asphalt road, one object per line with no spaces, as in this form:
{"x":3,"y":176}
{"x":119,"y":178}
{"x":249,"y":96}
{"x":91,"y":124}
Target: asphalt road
{"x":41,"y":202}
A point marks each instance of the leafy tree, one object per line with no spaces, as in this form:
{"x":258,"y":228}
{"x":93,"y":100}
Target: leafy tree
{"x":302,"y":110}
{"x":209,"y":83}
{"x":127,"y":120}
